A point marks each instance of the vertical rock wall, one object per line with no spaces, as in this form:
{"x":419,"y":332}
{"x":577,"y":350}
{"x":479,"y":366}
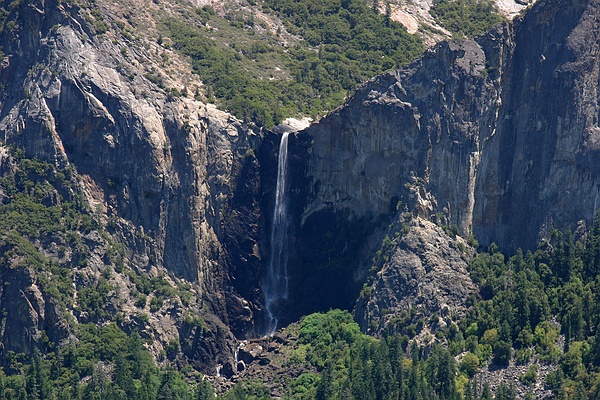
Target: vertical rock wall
{"x":496,"y":134}
{"x":175,"y":178}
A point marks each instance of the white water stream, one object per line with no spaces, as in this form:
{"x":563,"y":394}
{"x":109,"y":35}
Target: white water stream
{"x":275,"y":287}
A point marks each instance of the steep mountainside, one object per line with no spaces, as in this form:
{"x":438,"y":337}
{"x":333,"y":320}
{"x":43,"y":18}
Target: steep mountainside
{"x":498,"y":133}
{"x":493,"y":136}
{"x":130,"y":204}
{"x":158,"y":171}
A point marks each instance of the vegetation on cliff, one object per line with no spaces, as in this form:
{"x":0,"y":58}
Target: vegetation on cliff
{"x":308,"y":64}
{"x":62,"y":270}
{"x":466,"y":17}
{"x":537,"y":313}
{"x":104,"y":364}
{"x":39,"y":204}
{"x":261,"y":74}
{"x":539,"y":310}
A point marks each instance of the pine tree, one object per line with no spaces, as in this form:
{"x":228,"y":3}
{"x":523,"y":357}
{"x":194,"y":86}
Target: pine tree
{"x":396,"y":356}
{"x":487,"y":393}
{"x":382,"y":373}
{"x":204,"y":391}
{"x":31,"y":385}
{"x":580,"y":392}
{"x":469,"y":392}
{"x":325,"y":387}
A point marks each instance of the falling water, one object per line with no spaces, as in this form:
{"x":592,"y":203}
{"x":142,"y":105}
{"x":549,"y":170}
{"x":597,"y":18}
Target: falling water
{"x":236,"y":353}
{"x":275,"y":286}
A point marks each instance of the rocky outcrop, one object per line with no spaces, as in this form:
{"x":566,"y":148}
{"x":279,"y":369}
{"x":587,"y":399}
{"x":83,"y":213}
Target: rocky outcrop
{"x":496,"y":136}
{"x":400,"y":143}
{"x":400,"y":134}
{"x":34,"y":314}
{"x":415,"y":16}
{"x":423,"y":272}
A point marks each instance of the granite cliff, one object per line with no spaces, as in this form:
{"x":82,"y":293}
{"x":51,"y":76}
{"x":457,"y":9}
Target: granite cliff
{"x":168,"y":177}
{"x":495,"y":137}
{"x":493,"y":132}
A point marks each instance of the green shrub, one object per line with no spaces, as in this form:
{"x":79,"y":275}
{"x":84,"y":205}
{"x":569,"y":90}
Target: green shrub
{"x":502,"y":352}
{"x":140,"y":300}
{"x":469,"y":364}
{"x":466,"y":17}
{"x":529,"y":377}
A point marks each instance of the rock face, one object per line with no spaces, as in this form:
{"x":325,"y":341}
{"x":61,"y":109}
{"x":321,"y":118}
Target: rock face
{"x":498,"y":133}
{"x":416,"y":17}
{"x":497,"y":136}
{"x":175,"y":177}
{"x":423,"y":272}
{"x":33,"y":312}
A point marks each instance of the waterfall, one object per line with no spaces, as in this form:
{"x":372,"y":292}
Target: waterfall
{"x":275,"y":287}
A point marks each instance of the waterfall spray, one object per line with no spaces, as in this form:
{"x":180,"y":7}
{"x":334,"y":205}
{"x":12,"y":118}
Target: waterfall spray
{"x":275,"y":287}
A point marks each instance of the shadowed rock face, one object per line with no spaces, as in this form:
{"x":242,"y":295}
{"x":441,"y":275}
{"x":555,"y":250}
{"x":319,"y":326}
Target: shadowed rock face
{"x":499,"y":133}
{"x":542,"y":171}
